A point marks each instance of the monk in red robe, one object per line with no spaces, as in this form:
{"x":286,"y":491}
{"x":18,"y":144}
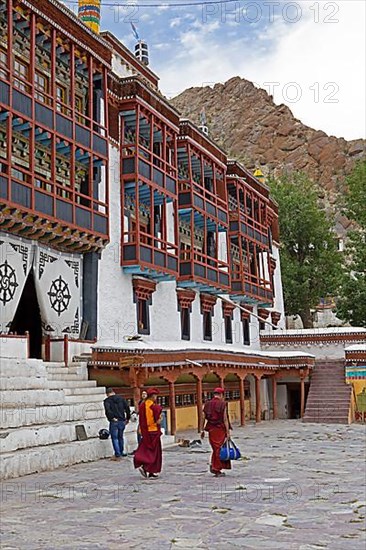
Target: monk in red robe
{"x":148,"y":456}
{"x":218,"y":428}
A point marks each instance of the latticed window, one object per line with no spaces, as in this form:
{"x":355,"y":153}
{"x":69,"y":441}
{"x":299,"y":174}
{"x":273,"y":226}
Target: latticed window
{"x":21,"y":72}
{"x":42,"y":85}
{"x":61,"y":97}
{"x":3,"y":62}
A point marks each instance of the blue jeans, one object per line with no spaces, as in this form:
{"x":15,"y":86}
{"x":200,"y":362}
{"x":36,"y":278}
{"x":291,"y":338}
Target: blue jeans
{"x":116,"y":429}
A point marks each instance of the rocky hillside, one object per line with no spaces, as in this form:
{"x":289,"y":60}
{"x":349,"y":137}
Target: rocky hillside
{"x":251,"y":127}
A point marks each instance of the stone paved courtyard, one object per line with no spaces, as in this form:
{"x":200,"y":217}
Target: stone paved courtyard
{"x":298,"y":486}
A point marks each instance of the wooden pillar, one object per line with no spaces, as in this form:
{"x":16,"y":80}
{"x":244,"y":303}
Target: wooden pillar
{"x":302,"y":397}
{"x":66,"y":350}
{"x":136,"y":397}
{"x":199,"y":404}
{"x":242,"y":401}
{"x":173,"y":416}
{"x":258,"y":409}
{"x":274,"y":397}
{"x":47,"y":348}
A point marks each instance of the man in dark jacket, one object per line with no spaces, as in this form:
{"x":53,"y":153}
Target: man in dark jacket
{"x":118,"y":413}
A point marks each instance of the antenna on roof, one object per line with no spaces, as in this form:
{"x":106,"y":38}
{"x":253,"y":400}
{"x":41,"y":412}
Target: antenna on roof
{"x":203,"y":122}
{"x":141,"y":48}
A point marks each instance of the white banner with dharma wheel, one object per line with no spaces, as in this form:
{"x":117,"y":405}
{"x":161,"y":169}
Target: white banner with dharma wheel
{"x":16,"y":257}
{"x":58,"y":280}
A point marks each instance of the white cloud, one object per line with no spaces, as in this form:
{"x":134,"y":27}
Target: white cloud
{"x":325,"y":60}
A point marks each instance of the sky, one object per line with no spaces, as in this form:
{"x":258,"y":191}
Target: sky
{"x":308,"y":54}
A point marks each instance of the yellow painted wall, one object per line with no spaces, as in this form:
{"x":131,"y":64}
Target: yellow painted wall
{"x":359,"y":385}
{"x":187,"y":416}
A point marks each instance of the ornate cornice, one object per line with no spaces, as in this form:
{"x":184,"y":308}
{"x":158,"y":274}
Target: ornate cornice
{"x":207,"y":303}
{"x":263,"y":313}
{"x":245,"y":314}
{"x":317,"y":338}
{"x":185,"y":298}
{"x":228,"y":309}
{"x":275,"y":317}
{"x":143,"y":288}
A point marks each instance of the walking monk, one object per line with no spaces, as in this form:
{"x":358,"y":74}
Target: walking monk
{"x":218,"y":428}
{"x":148,"y":456}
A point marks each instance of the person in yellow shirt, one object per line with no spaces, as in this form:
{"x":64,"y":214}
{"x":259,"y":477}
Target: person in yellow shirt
{"x":148,"y":456}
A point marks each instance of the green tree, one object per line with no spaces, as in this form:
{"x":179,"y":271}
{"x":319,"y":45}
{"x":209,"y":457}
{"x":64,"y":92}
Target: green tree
{"x":351,"y":305}
{"x":310,"y":262}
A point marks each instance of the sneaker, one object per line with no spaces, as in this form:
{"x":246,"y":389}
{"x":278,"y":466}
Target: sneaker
{"x":143,"y":472}
{"x":153,"y":476}
{"x":124,"y":454}
{"x":220,"y":474}
{"x":116,"y":458}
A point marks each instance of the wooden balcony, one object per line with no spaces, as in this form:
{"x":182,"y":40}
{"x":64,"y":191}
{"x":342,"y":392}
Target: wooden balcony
{"x":149,"y":256}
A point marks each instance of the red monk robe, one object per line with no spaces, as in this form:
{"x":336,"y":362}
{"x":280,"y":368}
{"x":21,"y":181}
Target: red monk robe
{"x":149,"y":452}
{"x":215,"y":412}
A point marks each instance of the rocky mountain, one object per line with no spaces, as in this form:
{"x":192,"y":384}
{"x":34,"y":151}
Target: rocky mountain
{"x":247,"y":123}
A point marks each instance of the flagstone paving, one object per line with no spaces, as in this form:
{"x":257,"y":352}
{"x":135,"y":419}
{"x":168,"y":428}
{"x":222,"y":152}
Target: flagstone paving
{"x":298,"y":486}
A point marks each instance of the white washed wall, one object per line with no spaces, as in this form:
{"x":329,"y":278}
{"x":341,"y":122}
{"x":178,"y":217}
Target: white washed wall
{"x":117,"y":311}
{"x":278,"y":304}
{"x":119,"y":67}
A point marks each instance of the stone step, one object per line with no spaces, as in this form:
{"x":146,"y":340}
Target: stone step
{"x":50,"y":457}
{"x":67,"y":377}
{"x":14,"y":363}
{"x":30,"y":416}
{"x":328,"y":404}
{"x":96,"y":390}
{"x":326,"y":421}
{"x":63,"y":384}
{"x":31,"y":397}
{"x":329,"y":380}
{"x":11,"y":383}
{"x":47,"y":434}
{"x":55,"y":364}
{"x":79,"y":369}
{"x":87,"y":398}
{"x":328,"y":398}
{"x":23,"y":369}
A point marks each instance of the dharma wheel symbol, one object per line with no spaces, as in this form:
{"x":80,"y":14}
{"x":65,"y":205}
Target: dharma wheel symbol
{"x":8,"y":282}
{"x":59,"y":295}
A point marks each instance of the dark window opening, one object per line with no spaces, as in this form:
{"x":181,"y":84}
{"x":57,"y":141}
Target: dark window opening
{"x":262,"y":325}
{"x":228,"y":329}
{"x":143,"y":320}
{"x":28,"y":318}
{"x":185,"y":323}
{"x":211,"y":245}
{"x":207,"y":325}
{"x":246,"y":332}
{"x":209,"y":183}
{"x":157,"y":221}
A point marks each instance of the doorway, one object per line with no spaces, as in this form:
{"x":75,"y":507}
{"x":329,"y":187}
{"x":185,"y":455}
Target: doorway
{"x":294,"y":398}
{"x":28,"y":318}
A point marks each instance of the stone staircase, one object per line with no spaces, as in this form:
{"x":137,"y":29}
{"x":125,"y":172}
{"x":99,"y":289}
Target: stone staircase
{"x":41,"y":405}
{"x":329,"y":398}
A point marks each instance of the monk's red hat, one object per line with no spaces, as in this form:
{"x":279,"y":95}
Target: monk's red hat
{"x":219,"y":390}
{"x":152,"y":391}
